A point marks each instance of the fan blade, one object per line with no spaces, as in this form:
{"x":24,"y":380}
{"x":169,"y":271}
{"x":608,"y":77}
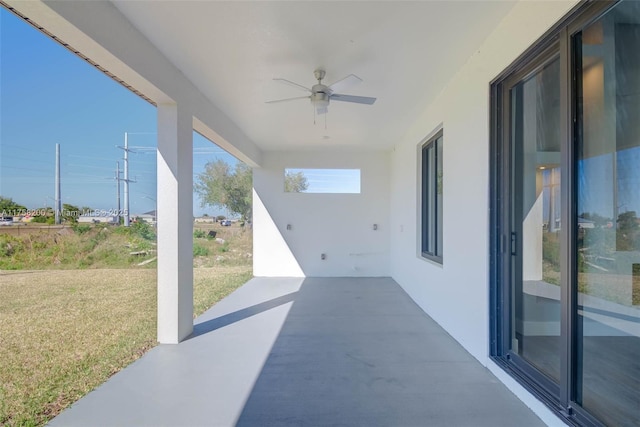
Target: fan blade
{"x":290,"y":83}
{"x":287,"y":99}
{"x":352,"y":98}
{"x":345,"y":83}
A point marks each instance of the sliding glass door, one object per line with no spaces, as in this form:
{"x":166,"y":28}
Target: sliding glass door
{"x":566,"y":215}
{"x":535,"y":218}
{"x":607,"y":331}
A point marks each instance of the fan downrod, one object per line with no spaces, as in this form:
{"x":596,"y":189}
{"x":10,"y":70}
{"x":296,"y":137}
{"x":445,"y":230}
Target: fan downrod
{"x":319,"y":74}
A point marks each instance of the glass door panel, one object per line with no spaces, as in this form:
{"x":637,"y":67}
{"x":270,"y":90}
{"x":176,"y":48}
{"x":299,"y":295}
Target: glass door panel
{"x":608,"y":207}
{"x":535,"y":220}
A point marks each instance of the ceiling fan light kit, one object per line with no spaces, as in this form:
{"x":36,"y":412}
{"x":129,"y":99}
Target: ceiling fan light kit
{"x":320,"y":102}
{"x":321,"y":95}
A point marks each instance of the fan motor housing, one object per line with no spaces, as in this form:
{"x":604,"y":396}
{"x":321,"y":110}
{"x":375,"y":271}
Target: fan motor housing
{"x":320,"y":88}
{"x":319,"y":97}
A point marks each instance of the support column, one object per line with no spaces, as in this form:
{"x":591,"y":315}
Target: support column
{"x":175,"y":223}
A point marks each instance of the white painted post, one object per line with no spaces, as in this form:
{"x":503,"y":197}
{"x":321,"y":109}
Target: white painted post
{"x":175,"y":223}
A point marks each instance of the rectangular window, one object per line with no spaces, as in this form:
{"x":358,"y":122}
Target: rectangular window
{"x":432,"y":198}
{"x":332,"y":181}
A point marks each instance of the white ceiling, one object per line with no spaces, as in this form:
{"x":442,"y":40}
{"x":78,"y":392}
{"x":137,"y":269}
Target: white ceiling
{"x":404,"y":51}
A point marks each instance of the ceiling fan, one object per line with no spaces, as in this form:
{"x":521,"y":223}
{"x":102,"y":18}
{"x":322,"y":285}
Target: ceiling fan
{"x":320,"y":94}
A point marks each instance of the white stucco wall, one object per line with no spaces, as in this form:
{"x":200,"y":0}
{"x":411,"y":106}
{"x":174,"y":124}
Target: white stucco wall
{"x":456,"y":294}
{"x":338,"y":225}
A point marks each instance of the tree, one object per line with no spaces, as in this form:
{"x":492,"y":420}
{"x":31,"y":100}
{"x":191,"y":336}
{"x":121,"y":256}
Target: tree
{"x":70,"y":212}
{"x":628,"y":233}
{"x":223,"y":187}
{"x":295,"y":182}
{"x":628,"y":222}
{"x":9,"y":206}
{"x":598,"y":220}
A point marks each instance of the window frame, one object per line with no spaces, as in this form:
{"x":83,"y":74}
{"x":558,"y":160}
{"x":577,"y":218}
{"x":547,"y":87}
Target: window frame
{"x":430,"y":231}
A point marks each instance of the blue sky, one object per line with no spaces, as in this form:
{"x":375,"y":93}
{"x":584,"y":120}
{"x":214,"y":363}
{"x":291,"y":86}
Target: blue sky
{"x":595,"y":186}
{"x":49,"y":95}
{"x":330,"y":180}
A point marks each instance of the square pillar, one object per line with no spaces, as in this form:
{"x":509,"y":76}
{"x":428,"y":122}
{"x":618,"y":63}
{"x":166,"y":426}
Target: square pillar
{"x":175,"y":223}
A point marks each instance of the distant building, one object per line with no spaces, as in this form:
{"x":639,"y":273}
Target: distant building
{"x":585,"y":223}
{"x":205,"y":220}
{"x":148,"y":217}
{"x":89,"y":219}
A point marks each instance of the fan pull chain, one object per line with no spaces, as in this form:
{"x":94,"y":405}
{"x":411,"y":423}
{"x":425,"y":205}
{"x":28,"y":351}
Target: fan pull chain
{"x":314,"y":118}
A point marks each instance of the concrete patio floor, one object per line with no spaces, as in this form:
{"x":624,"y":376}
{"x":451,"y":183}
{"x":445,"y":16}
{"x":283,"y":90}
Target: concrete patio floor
{"x":306,"y":352}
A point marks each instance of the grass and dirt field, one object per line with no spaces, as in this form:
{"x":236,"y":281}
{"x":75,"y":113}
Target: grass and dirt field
{"x":89,"y":309}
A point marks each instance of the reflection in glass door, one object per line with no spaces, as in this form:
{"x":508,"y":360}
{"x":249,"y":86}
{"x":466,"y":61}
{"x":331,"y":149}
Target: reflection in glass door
{"x":566,"y":267}
{"x":608,"y":240}
{"x":535,"y":220}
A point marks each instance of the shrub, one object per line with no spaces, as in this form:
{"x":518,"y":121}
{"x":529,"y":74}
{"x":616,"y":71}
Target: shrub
{"x":199,"y":234}
{"x":144,"y":230}
{"x":9,"y":245}
{"x":81,"y":228}
{"x":551,"y":249}
{"x":44,"y":219}
{"x":199,"y":250}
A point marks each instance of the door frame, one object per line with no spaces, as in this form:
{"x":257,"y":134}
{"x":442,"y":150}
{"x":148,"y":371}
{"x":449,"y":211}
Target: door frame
{"x":545,"y":387}
{"x":557,"y":42}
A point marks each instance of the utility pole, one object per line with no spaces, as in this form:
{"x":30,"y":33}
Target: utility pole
{"x":58,"y":202}
{"x":118,"y":213}
{"x":126,"y":179}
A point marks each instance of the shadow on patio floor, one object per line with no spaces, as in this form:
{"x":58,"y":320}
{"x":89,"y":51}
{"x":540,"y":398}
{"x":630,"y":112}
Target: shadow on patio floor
{"x":312,"y":352}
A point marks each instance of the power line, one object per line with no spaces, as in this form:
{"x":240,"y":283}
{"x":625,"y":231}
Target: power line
{"x":25,"y":169}
{"x":29,"y":159}
{"x":143,"y":148}
{"x":79,"y":156}
{"x":86,"y":175}
{"x":88,"y":166}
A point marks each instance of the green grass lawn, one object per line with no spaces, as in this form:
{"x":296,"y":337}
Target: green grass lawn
{"x":69,"y":325}
{"x":62,"y":333}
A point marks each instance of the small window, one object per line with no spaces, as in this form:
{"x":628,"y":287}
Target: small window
{"x":322,"y":181}
{"x":432,"y":198}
